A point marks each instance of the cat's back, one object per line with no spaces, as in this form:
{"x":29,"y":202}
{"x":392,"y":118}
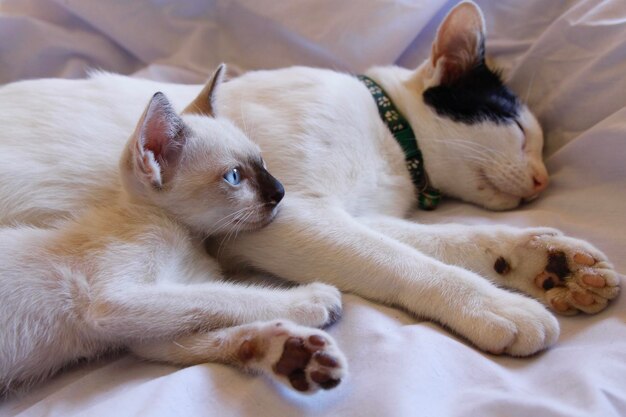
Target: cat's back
{"x":60,"y":143}
{"x":319,"y":131}
{"x":321,"y":135}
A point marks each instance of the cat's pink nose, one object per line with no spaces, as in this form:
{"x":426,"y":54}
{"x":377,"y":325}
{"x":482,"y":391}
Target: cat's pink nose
{"x":540,"y":182}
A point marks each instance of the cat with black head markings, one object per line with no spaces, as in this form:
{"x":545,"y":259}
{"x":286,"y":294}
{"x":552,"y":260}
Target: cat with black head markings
{"x":132,"y":272}
{"x":353,"y":155}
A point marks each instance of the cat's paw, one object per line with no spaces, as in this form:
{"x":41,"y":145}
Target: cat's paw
{"x":513,"y":324}
{"x":315,"y":305}
{"x":575,"y":276}
{"x":305,"y":359}
{"x":569,"y":275}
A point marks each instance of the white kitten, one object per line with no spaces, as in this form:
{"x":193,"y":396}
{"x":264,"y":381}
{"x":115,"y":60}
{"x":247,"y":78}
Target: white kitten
{"x":348,"y":186}
{"x":120,"y":275}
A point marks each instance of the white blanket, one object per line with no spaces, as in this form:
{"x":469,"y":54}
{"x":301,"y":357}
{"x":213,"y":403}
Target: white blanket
{"x":567,"y":59}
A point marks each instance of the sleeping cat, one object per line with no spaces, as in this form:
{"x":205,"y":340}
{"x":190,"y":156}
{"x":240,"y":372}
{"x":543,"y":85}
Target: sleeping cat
{"x":350,"y":183}
{"x":132,"y":272}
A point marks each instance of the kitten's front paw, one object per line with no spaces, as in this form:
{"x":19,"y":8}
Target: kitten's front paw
{"x":315,"y":305}
{"x":305,"y":359}
{"x":569,"y":275}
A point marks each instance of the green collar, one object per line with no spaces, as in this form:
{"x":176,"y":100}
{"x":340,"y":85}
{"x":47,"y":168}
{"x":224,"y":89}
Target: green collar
{"x":427,"y":196}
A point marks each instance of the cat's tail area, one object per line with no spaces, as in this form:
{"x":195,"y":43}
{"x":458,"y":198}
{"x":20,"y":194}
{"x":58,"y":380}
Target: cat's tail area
{"x":300,"y":357}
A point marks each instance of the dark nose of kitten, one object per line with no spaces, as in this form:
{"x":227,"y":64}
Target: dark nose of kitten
{"x":273,"y":190}
{"x":279,"y":192}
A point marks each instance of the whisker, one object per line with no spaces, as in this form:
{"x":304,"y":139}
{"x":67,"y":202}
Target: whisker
{"x":243,"y":222}
{"x":472,"y":146}
{"x":233,"y":213}
{"x":235,"y":231}
{"x":232,"y":219}
{"x":242,"y":210}
{"x":243,"y":120}
{"x":481,"y":162}
{"x":219,"y":225}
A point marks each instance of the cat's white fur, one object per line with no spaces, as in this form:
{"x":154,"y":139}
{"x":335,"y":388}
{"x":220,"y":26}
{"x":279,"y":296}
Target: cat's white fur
{"x":119,"y":274}
{"x":347,"y":188}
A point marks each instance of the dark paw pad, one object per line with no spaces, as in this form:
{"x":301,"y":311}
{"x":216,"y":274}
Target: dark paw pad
{"x":557,"y":264}
{"x":324,"y":380}
{"x":248,"y":350}
{"x":296,"y":357}
{"x":501,"y":266}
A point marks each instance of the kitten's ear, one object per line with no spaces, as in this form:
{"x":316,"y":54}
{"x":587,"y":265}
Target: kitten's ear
{"x":459,"y":45}
{"x":157,"y":142}
{"x":204,"y":103}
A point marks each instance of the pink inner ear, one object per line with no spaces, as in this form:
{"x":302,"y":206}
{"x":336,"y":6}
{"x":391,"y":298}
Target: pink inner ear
{"x":459,"y":41}
{"x":156,"y":135}
{"x":162,"y":130}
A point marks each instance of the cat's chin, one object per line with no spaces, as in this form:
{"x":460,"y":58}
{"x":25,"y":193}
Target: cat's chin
{"x":493,"y":197}
{"x":501,"y":204}
{"x":496,"y":199}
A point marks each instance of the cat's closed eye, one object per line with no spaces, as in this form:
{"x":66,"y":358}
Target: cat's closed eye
{"x":523,"y":133}
{"x":233,"y":177}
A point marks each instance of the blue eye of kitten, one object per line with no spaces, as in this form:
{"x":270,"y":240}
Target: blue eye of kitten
{"x":233,"y":177}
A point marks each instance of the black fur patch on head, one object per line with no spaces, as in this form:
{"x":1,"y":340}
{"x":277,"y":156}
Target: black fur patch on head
{"x":476,"y":96}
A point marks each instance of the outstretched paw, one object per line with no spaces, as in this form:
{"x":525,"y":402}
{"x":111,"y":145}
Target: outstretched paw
{"x":574,"y":275}
{"x":316,"y":305}
{"x":512,"y":324}
{"x":305,"y":359}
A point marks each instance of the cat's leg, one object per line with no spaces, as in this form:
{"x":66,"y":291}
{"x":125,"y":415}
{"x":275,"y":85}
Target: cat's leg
{"x":161,"y":311}
{"x":301,"y":357}
{"x":312,"y":240}
{"x":567,"y":274}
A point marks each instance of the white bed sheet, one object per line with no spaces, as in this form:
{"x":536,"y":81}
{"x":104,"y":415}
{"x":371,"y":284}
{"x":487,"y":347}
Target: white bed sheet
{"x":566,"y":58}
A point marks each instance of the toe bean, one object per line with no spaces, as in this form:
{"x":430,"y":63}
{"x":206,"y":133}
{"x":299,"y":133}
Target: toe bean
{"x":559,"y":305}
{"x":584,"y":259}
{"x":593,"y":280}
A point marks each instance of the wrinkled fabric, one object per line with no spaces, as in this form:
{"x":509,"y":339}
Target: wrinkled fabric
{"x":566,"y":59}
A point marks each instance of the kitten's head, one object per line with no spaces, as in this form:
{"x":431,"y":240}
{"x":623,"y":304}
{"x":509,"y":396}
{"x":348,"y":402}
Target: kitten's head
{"x":200,"y":168}
{"x":481,"y":143}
